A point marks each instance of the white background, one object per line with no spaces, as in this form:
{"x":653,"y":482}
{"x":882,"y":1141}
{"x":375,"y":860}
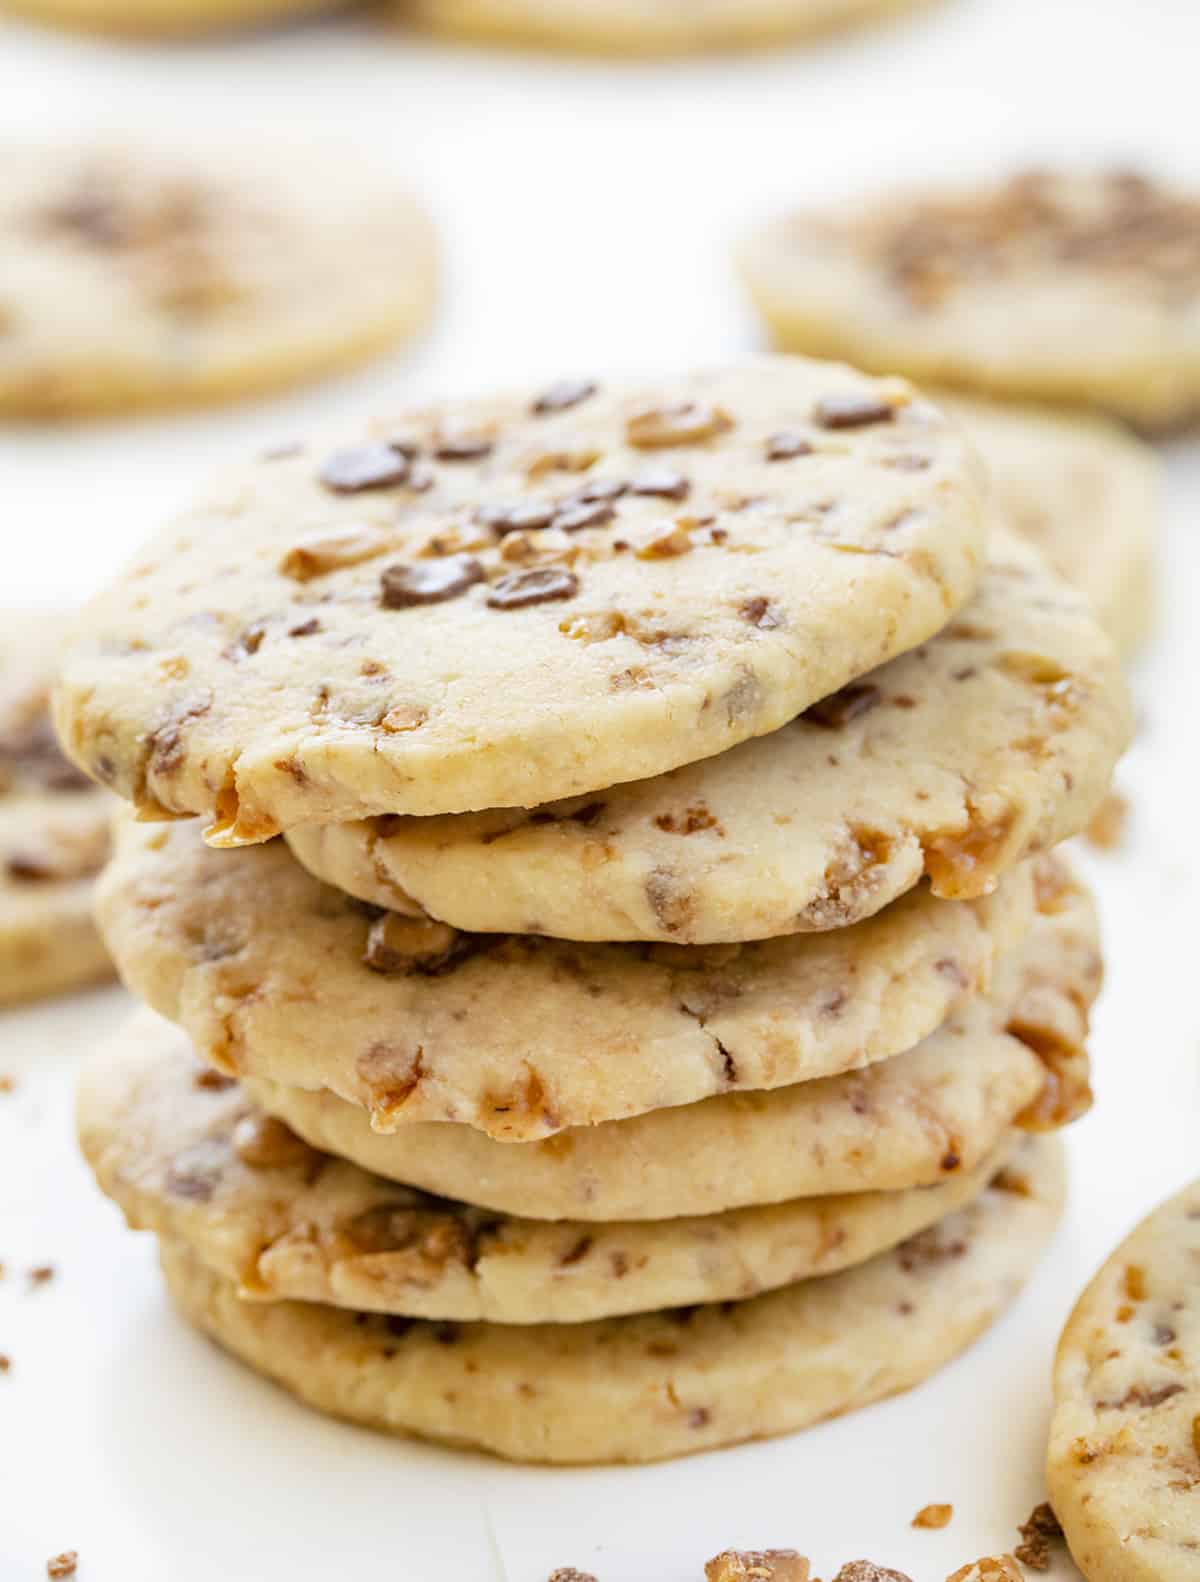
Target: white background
{"x":588,"y":213}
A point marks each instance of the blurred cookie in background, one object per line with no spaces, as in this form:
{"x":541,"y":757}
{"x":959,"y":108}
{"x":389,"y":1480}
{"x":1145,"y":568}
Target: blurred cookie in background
{"x":1076,"y":288}
{"x":137,"y":280}
{"x":53,"y":829}
{"x":163,"y":17}
{"x":641,"y":27}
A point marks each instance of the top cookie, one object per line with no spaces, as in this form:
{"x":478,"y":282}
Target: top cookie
{"x":134,"y":278}
{"x":1071,"y":287}
{"x":500,"y":603}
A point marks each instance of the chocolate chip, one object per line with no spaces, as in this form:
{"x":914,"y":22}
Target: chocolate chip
{"x":786,"y":445}
{"x":759,"y":612}
{"x":840,"y":708}
{"x":599,"y":489}
{"x":565,"y":393}
{"x":662,"y":482}
{"x":307,"y":628}
{"x":377,"y":466}
{"x":524,"y":517}
{"x":428,"y":581}
{"x":463,"y":446}
{"x":28,"y":866}
{"x":574,"y":518}
{"x":532,"y":587}
{"x":852,"y":411}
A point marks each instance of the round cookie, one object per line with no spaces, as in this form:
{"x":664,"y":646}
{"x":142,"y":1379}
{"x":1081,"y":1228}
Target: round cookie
{"x":136,"y":278}
{"x":994,"y":739}
{"x":276,"y":975}
{"x":1086,"y":492}
{"x":187,"y":1155}
{"x":640,"y":27}
{"x":501,"y":603}
{"x":659,"y":1384}
{"x":1072,"y":287}
{"x":1124,"y":1461}
{"x":53,"y":830}
{"x":917,"y":1119}
{"x":161,"y":17}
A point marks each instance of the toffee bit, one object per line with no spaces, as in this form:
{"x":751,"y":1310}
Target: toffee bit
{"x":1037,"y":1534}
{"x":933,"y":1516}
{"x":42,"y":1274}
{"x":63,"y":1565}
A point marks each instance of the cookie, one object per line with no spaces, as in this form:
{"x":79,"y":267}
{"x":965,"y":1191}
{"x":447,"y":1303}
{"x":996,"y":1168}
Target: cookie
{"x":917,"y":1119}
{"x":53,"y":830}
{"x":994,"y":739}
{"x":274,"y":974}
{"x":640,"y":27}
{"x":1124,"y":1462}
{"x":660,"y":1384}
{"x":187,"y":1155}
{"x":1074,"y":287}
{"x":502,"y":603}
{"x":160,"y":17}
{"x":136,"y":278}
{"x":1086,"y":492}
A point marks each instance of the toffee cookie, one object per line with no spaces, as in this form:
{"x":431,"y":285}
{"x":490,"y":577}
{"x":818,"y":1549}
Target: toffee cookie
{"x":276,"y":975}
{"x":994,"y":739}
{"x":53,"y":830}
{"x":1080,"y":288}
{"x":139,"y":279}
{"x":917,"y":1119}
{"x":659,"y":1384}
{"x":186,"y":1154}
{"x":1124,"y":1462}
{"x":501,"y":603}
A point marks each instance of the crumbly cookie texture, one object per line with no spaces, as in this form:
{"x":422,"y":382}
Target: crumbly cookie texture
{"x":53,"y":830}
{"x":914,"y":1120}
{"x":1074,"y":287}
{"x":641,"y":27}
{"x":993,"y":740}
{"x":502,"y":603}
{"x":186,"y":1154}
{"x":276,"y":975}
{"x":141,"y":278}
{"x":659,"y":1384}
{"x":168,"y":18}
{"x":1124,"y":1460}
{"x":1087,"y":493}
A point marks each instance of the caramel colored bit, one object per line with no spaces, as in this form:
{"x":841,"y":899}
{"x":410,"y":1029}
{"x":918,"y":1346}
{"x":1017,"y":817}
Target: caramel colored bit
{"x":683,"y":423}
{"x":757,"y":1565}
{"x":1107,"y":826}
{"x":390,"y":1228}
{"x":1066,"y":1093}
{"x":868,"y":1571}
{"x":63,"y":1565}
{"x":1196,"y":1436}
{"x":404,"y":717}
{"x":674,"y":540}
{"x":934,"y":1516}
{"x":265,"y":1143}
{"x":1134,"y":1282}
{"x":1051,"y":887}
{"x":319,"y":553}
{"x":398,"y":944}
{"x":570,"y":1574}
{"x":992,"y":1568}
{"x":1037,"y":1534}
{"x":964,"y":865}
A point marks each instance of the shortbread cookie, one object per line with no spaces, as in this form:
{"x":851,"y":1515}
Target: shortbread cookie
{"x":1073,"y":287}
{"x":501,"y":603}
{"x":659,"y":1384}
{"x":1086,"y":492}
{"x":640,"y":27}
{"x":994,"y":739}
{"x":165,"y":17}
{"x":274,"y":974}
{"x":912,"y":1121}
{"x":1124,"y":1462}
{"x":53,"y":829}
{"x":185,"y":1153}
{"x":135,"y":278}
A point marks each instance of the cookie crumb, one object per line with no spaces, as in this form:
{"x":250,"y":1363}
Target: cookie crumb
{"x":1107,"y":828}
{"x":63,"y":1565}
{"x":868,"y":1571}
{"x":5,"y":1363}
{"x":933,"y":1516}
{"x":42,"y":1274}
{"x":1037,"y":1534}
{"x":570,"y":1574}
{"x":7,"y":1084}
{"x":992,"y":1568}
{"x":757,"y":1565}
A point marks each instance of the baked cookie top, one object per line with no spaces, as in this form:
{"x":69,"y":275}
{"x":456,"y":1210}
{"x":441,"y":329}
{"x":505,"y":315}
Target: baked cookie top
{"x":1124,"y":1459}
{"x":145,"y":278}
{"x":1073,"y":286}
{"x":499,"y":603}
{"x":275,"y":974}
{"x":994,"y":739}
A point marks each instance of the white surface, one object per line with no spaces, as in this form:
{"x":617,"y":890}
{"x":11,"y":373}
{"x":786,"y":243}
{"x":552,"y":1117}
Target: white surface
{"x":588,"y":213}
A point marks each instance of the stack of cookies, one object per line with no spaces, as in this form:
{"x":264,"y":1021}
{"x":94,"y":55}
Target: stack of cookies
{"x":641,"y":1038}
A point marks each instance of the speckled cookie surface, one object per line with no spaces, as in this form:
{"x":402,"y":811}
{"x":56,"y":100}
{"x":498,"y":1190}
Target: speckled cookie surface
{"x":994,"y":739}
{"x":187,"y":1155}
{"x":501,"y":603}
{"x":1124,"y":1462}
{"x":135,"y":278}
{"x":1086,"y":493}
{"x":53,"y":829}
{"x":917,"y":1119}
{"x":1073,"y":287}
{"x":277,"y":975}
{"x":659,"y":1384}
{"x":167,"y":17}
{"x":639,"y":27}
